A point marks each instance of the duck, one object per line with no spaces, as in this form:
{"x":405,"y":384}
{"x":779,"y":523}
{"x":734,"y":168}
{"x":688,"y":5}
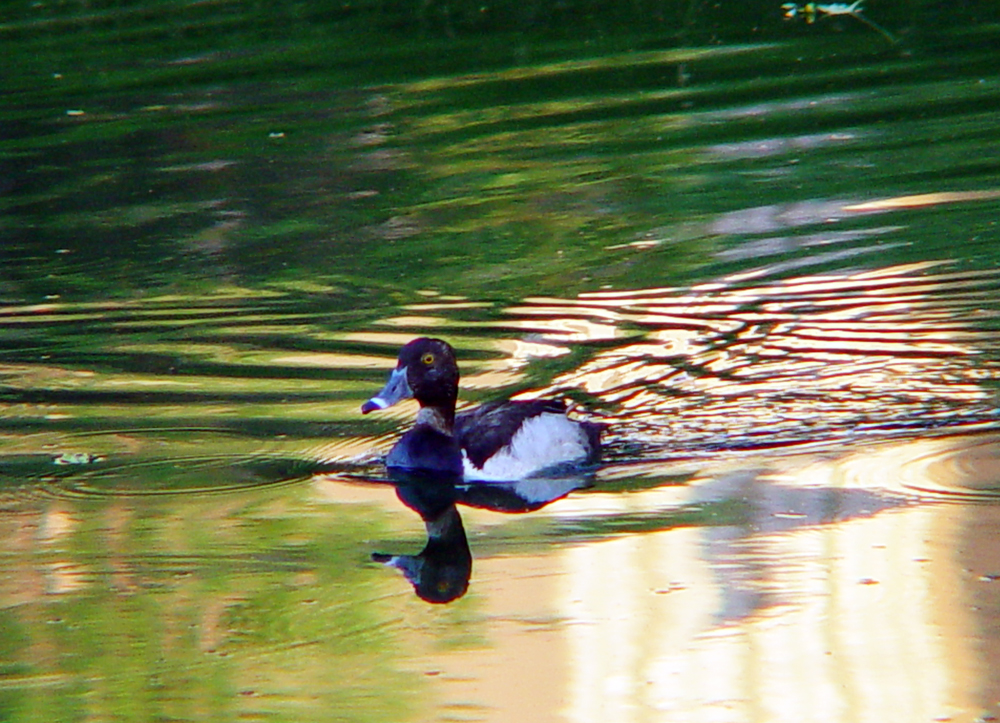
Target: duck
{"x":497,"y":441}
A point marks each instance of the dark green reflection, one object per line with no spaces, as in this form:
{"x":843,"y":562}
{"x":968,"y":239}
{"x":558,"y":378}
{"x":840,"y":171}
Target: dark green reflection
{"x":454,"y":144}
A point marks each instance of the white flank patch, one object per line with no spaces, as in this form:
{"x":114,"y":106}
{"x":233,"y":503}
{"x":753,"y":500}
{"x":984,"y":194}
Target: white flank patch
{"x":542,"y":441}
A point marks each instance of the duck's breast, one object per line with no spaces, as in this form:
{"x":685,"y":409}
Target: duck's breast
{"x":425,"y":448}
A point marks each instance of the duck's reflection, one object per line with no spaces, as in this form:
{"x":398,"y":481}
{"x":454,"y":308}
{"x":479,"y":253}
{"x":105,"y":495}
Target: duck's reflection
{"x":440,"y":573}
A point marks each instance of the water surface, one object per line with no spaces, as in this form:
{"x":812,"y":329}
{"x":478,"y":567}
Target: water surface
{"x":764,"y":252}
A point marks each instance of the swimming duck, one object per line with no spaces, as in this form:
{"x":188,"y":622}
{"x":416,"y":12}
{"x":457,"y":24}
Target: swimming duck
{"x":497,"y":441}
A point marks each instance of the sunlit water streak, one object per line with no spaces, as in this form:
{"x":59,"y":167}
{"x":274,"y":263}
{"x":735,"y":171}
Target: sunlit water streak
{"x":753,"y":361}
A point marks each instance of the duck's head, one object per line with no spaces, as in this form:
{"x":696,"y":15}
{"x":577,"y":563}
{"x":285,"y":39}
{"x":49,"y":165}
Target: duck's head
{"x":426,"y":371}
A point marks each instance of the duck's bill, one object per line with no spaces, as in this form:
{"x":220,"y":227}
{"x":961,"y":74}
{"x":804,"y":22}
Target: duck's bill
{"x":410,"y":565}
{"x":395,"y":390}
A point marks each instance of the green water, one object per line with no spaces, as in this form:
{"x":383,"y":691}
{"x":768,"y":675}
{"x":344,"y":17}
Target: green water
{"x":763,"y":251}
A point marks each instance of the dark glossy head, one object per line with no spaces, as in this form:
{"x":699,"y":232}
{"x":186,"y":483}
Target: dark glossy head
{"x":427,"y":371}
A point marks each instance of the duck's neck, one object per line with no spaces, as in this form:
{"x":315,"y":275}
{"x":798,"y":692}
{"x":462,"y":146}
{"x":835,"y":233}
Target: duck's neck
{"x":443,"y":420}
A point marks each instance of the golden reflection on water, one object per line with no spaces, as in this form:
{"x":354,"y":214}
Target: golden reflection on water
{"x":826,"y":603}
{"x":925,"y":199}
{"x":740,"y":589}
{"x":834,"y":593}
{"x":747,"y":360}
{"x":880,"y":348}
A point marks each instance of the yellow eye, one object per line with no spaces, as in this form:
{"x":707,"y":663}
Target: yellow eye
{"x":427,"y":358}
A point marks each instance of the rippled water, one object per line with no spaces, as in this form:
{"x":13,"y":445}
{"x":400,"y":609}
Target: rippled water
{"x":764,"y":252}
